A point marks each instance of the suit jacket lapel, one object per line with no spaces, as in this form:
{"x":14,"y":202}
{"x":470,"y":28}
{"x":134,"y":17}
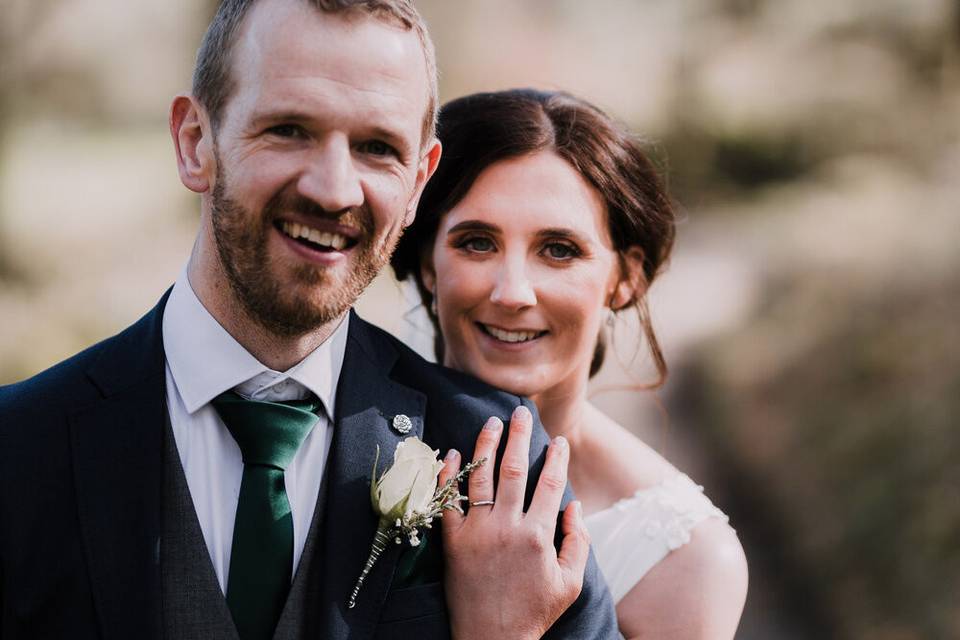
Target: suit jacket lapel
{"x":367,"y":402}
{"x":117,"y":448}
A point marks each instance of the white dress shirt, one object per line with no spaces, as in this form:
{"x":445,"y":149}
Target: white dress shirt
{"x":203,"y":361}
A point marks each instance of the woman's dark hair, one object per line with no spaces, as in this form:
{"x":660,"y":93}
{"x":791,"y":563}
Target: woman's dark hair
{"x":481,"y":129}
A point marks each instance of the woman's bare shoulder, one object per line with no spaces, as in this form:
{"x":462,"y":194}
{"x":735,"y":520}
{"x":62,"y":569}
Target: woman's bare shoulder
{"x":696,"y":592}
{"x":621,"y":460}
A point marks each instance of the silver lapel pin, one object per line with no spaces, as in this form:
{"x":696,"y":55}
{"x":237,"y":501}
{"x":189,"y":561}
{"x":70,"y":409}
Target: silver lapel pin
{"x":402,"y":424}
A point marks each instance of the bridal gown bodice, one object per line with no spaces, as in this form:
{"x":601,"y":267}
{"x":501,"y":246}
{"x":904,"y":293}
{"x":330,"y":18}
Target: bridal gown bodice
{"x":636,"y":533}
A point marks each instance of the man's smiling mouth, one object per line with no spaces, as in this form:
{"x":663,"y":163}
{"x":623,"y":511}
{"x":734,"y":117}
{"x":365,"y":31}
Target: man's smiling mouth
{"x":314,"y":238}
{"x":510,"y":336}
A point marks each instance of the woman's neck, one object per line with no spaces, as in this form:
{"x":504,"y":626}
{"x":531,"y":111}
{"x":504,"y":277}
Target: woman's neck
{"x":562,"y":412}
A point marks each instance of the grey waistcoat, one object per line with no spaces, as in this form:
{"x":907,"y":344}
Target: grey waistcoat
{"x":193,"y":607}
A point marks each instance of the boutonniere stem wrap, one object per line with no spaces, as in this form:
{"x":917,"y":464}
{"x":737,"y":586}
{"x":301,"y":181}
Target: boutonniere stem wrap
{"x":406,"y":498}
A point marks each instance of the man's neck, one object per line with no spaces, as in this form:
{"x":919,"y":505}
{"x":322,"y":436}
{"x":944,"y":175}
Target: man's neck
{"x":279,"y":353}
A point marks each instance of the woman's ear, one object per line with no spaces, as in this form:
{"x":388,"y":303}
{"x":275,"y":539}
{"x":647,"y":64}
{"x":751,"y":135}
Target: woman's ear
{"x":631,"y":284}
{"x":192,"y":140}
{"x":428,"y":276}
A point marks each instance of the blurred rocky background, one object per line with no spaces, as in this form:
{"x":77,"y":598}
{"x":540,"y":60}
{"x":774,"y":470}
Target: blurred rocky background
{"x":810,"y":313}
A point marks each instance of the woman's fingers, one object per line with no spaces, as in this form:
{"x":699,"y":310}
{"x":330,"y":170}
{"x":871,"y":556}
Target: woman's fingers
{"x":481,"y":480}
{"x":452,"y":519}
{"x":553,"y":479}
{"x":516,"y":459}
{"x":574,"y":549}
{"x":490,"y":558}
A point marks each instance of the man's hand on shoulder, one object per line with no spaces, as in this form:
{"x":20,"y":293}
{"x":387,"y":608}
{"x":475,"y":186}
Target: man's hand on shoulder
{"x":504,"y":577}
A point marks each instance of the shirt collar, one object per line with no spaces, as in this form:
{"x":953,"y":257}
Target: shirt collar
{"x":205,"y":360}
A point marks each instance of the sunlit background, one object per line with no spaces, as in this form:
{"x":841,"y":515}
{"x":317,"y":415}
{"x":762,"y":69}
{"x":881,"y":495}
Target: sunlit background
{"x":810,"y":313}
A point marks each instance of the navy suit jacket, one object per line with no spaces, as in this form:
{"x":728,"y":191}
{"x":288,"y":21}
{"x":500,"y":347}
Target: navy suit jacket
{"x":81,"y":476}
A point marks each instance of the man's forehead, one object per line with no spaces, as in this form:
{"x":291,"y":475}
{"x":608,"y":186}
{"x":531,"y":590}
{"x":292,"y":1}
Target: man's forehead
{"x":290,"y":47}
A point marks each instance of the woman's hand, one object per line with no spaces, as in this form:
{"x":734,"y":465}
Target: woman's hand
{"x":504,"y":577}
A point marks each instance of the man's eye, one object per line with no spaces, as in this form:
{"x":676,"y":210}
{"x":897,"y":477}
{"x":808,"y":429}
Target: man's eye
{"x":477,"y":245}
{"x":561,"y":251}
{"x":286,"y":131}
{"x":377,"y":148}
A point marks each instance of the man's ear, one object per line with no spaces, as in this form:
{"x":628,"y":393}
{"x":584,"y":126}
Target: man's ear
{"x":631,"y":284}
{"x":428,"y":164}
{"x":192,"y":139}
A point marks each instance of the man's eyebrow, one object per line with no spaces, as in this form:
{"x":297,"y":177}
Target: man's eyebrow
{"x":473,"y":225}
{"x":273,"y":117}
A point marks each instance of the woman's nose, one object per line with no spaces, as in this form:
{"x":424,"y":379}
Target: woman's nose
{"x":331,"y":180}
{"x":513,"y":288}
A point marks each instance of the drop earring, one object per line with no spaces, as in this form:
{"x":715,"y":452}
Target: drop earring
{"x":433,"y":306}
{"x":611,"y":318}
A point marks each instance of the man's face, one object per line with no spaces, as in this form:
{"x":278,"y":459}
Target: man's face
{"x":318,"y":160}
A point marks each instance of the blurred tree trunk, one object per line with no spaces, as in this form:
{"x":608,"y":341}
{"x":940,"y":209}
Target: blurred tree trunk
{"x":21,"y":21}
{"x":951,"y":51}
{"x":956,"y":22}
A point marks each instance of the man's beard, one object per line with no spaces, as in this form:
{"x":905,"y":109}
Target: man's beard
{"x":242,"y":237}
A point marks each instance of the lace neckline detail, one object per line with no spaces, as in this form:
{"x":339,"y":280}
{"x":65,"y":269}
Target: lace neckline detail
{"x":669,"y":485}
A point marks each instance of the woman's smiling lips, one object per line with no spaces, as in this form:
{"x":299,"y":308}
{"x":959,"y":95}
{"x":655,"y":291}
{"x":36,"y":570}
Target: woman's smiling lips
{"x":510,"y":338}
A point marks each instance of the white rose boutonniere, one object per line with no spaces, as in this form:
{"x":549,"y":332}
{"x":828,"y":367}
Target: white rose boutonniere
{"x":406,"y":497}
{"x":408,"y":486}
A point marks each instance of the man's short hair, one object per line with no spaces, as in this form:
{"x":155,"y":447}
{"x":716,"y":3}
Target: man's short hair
{"x":213,"y":83}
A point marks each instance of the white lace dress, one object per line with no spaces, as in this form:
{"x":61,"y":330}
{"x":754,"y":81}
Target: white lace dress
{"x":636,"y":533}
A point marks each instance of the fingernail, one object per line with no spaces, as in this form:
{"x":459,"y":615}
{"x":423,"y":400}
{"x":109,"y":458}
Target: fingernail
{"x":452,"y":455}
{"x":577,"y":508}
{"x":560,"y":442}
{"x":521,"y":412}
{"x":493,"y":424}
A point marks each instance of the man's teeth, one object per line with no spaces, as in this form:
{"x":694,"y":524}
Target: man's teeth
{"x":332,"y":240}
{"x":511,"y":336}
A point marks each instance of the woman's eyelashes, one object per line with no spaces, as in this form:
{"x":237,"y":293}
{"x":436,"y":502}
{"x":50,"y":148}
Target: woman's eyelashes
{"x":552,"y":250}
{"x":475,"y":244}
{"x":561,"y":251}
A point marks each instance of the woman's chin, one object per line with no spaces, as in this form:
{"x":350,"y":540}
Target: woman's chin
{"x":517,"y":382}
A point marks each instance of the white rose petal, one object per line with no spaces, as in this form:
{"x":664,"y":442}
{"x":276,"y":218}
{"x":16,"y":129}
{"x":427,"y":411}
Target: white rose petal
{"x":414,"y":474}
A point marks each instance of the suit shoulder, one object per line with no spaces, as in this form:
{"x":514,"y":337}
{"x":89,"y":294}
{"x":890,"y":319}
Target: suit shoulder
{"x":121,"y":360}
{"x":457,"y":390}
{"x":63,"y":385}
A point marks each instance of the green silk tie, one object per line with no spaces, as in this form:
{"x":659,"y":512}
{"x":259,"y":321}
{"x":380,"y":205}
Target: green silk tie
{"x":261,"y":559}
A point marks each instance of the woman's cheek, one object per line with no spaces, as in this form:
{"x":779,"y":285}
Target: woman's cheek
{"x":466,"y":281}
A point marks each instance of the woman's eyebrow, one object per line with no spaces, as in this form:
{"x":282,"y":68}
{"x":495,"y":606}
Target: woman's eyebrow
{"x":473,"y":225}
{"x":562,"y":232}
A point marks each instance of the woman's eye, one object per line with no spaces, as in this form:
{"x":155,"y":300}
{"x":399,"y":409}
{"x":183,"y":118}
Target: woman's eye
{"x":477,"y":245}
{"x":560,"y":251}
{"x":377,"y":148}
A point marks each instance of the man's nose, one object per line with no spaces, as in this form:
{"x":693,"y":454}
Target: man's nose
{"x":330,"y":179}
{"x":513,"y":288}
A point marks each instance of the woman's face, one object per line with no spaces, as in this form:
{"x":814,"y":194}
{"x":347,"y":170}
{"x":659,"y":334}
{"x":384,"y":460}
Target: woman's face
{"x":523,"y":269}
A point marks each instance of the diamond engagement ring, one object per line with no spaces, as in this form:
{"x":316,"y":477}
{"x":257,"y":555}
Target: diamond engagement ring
{"x":482,"y":503}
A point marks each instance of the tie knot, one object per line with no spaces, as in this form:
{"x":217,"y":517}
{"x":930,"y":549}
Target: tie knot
{"x":268,"y":433}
